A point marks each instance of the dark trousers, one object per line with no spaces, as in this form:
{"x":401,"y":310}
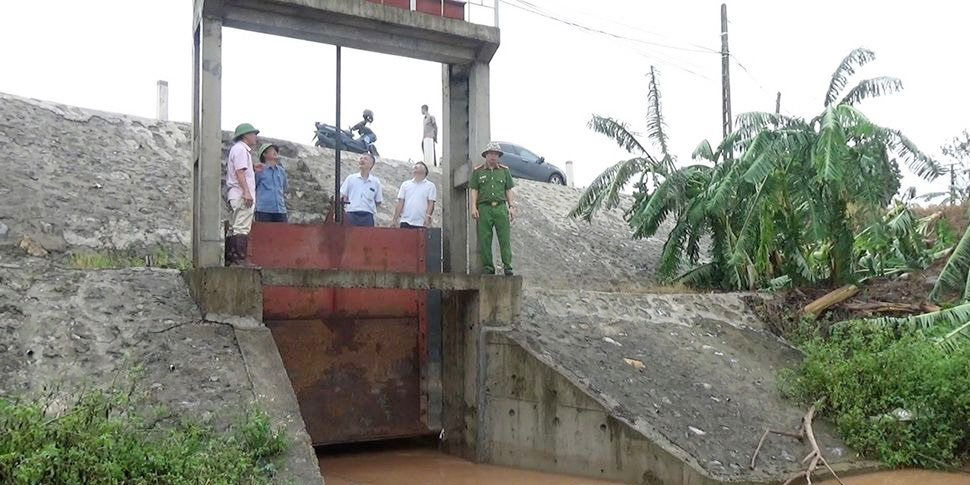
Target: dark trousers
{"x":270,"y":217}
{"x":360,"y":219}
{"x":405,"y":225}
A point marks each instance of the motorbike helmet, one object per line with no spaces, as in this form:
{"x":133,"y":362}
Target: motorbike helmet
{"x":368,"y":115}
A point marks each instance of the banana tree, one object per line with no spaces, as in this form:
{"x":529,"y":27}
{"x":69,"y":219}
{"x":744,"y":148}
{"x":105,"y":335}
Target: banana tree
{"x":779,"y":207}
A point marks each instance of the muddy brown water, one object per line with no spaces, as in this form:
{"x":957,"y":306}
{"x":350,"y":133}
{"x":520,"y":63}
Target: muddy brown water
{"x":427,"y":466}
{"x":906,"y":477}
{"x":424,"y":465}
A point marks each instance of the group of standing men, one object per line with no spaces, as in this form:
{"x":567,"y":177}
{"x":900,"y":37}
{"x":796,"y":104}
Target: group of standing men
{"x":258,"y":191}
{"x":254,"y":191}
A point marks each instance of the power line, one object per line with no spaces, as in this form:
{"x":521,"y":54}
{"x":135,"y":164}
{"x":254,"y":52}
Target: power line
{"x":532,"y":8}
{"x":651,"y":55}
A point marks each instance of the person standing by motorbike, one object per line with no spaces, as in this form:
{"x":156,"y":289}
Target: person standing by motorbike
{"x":366,"y":134}
{"x":430,"y":128}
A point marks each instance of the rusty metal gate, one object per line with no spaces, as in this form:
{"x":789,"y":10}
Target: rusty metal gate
{"x":365,"y":364}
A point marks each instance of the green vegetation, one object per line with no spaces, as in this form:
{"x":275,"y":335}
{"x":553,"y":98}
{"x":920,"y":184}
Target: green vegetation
{"x":894,"y":394}
{"x":786,"y":201}
{"x":102,"y":440}
{"x":781,"y":197}
{"x":160,"y":258}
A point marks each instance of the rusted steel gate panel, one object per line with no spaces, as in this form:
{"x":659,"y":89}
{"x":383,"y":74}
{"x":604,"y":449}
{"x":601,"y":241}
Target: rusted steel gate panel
{"x":358,"y":359}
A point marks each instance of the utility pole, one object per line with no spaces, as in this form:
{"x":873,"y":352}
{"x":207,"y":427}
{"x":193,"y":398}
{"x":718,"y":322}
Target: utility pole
{"x":778,"y":104}
{"x":725,"y":73}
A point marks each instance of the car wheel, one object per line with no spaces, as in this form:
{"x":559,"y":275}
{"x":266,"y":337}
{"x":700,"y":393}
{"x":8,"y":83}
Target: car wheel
{"x":557,"y":179}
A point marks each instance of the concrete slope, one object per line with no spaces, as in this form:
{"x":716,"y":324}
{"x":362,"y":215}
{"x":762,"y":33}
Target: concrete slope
{"x":691,"y":375}
{"x":78,"y":179}
{"x":63,"y":330}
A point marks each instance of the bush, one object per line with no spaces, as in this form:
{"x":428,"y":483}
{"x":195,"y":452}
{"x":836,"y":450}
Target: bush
{"x":898,"y":398}
{"x":101,"y":440}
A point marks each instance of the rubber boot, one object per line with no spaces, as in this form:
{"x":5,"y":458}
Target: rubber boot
{"x":232,"y":251}
{"x":242,"y":255}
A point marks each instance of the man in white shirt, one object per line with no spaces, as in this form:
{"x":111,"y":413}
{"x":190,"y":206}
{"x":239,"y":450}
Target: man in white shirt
{"x":241,"y":185}
{"x":361,"y":192}
{"x":415,"y":200}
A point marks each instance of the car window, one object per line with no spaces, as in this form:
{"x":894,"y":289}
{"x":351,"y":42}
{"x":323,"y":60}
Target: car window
{"x":510,"y":149}
{"x":528,"y":156}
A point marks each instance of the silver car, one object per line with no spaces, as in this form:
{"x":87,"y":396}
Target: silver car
{"x":527,"y":165}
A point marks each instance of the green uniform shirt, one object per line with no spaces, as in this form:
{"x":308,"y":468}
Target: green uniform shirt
{"x":491,"y":184}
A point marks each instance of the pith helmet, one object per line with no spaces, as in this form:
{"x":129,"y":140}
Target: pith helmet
{"x":244,"y":129}
{"x":263,"y":148}
{"x":493,"y":147}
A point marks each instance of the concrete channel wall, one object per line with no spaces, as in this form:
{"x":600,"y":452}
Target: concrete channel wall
{"x":537,"y":419}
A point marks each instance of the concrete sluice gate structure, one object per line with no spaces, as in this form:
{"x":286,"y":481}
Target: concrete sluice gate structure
{"x":552,"y":390}
{"x":350,"y":335}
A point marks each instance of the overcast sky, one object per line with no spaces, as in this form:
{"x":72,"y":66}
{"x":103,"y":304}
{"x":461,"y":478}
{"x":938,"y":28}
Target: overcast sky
{"x":547,"y":77}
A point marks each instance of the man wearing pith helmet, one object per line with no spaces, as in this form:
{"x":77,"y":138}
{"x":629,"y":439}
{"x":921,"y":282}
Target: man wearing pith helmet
{"x":493,"y":206}
{"x":241,"y":184}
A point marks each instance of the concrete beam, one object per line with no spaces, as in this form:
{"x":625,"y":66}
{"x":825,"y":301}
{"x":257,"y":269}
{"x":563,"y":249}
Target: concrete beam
{"x":363,"y":25}
{"x":207,"y":232}
{"x":303,"y":278}
{"x":454,"y":205}
{"x":479,"y":134}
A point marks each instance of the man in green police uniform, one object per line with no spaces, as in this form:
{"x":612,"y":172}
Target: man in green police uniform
{"x":493,"y":207}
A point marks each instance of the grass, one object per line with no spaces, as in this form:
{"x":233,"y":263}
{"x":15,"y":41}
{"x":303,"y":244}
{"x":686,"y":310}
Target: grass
{"x":160,"y":258}
{"x":101,"y":439}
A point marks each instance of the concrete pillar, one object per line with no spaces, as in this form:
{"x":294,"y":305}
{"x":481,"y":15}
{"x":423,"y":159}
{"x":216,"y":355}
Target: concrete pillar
{"x":207,"y":232}
{"x":162,"y":111}
{"x":569,"y":174}
{"x":467,"y":130}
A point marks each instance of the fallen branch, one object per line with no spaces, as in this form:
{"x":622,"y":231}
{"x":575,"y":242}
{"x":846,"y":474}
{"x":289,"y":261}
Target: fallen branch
{"x":813,"y":458}
{"x":761,"y":442}
{"x":891,"y":307}
{"x":830,"y":299}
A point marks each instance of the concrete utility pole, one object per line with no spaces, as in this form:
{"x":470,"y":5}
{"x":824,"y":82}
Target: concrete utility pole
{"x":162,"y":107}
{"x":569,"y":174}
{"x":725,"y":73}
{"x":778,"y":104}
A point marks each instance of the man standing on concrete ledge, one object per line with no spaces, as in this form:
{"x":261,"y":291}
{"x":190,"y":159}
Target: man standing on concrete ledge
{"x":492,"y":206}
{"x":415,"y":200}
{"x":430,"y":137}
{"x":241,"y":185}
{"x":362,"y":193}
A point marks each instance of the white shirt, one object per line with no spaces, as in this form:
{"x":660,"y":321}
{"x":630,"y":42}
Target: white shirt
{"x":416,"y":196}
{"x":239,"y":159}
{"x":363,"y":194}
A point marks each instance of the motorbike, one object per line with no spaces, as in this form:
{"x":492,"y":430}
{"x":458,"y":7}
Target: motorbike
{"x":326,"y":136}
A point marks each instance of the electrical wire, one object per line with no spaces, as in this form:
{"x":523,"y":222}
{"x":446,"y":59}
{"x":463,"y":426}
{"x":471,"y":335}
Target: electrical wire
{"x":641,"y":50}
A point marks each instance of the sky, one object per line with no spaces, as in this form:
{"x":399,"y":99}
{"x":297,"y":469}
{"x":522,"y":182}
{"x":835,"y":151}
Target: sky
{"x":548,"y":78}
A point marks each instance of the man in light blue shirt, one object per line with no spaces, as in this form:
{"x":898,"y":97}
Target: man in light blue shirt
{"x":362,"y":194}
{"x":271,"y":185}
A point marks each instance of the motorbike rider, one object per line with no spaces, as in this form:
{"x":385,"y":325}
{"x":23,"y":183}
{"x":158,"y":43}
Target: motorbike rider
{"x":366,"y":134}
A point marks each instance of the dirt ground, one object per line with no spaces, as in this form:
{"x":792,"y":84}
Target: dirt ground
{"x":781,"y":311}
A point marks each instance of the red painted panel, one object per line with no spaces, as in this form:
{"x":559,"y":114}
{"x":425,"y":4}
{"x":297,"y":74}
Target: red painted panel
{"x":330,"y":246}
{"x":285,"y":303}
{"x":355,"y":380}
{"x":357,"y":358}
